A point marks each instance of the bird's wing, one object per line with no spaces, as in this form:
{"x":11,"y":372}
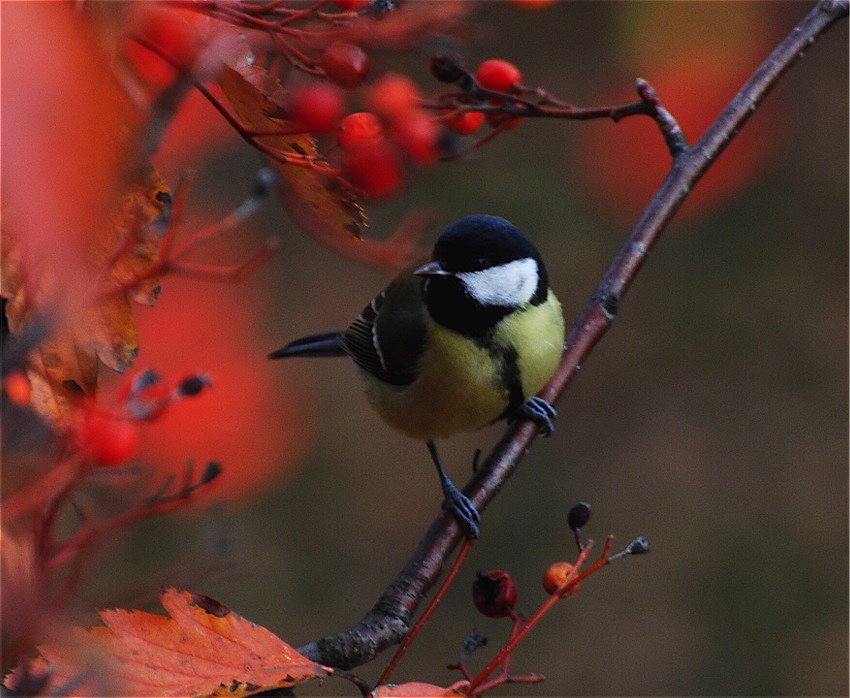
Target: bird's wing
{"x":389,"y":336}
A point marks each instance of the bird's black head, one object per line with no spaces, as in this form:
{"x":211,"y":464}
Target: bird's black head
{"x":483,"y":268}
{"x":480,"y":242}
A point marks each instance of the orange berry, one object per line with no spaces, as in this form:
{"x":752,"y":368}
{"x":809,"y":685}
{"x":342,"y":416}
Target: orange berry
{"x":17,"y":387}
{"x":555,"y":576}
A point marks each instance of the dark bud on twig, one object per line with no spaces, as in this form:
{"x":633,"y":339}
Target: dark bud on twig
{"x":192,"y":385}
{"x":164,"y":217}
{"x":448,"y":67}
{"x":577,"y":518}
{"x":381,"y":7}
{"x":639,"y":546}
{"x":471,"y":642}
{"x":211,"y":472}
{"x":144,"y":380}
{"x":264,"y":182}
{"x":260,"y":189}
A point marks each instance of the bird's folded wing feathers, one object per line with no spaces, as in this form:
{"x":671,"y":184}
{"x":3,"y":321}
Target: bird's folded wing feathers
{"x":389,"y":336}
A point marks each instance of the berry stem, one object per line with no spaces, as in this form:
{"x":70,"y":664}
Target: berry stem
{"x":570,"y":582}
{"x":426,"y":614}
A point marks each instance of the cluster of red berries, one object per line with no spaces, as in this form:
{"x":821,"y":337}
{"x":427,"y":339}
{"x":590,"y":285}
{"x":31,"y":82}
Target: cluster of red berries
{"x":395,"y":128}
{"x":376,"y":144}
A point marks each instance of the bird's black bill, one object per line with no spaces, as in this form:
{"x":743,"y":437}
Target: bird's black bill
{"x":455,"y":501}
{"x":327,"y":344}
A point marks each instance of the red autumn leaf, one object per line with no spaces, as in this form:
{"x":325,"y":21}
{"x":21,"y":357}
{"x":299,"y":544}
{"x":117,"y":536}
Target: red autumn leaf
{"x":202,"y":649}
{"x":257,"y":99}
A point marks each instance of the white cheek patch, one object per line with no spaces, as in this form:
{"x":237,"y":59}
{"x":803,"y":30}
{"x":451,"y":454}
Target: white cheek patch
{"x":508,"y":285}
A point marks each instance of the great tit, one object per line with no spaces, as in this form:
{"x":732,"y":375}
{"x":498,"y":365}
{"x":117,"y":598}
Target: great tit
{"x":458,"y":343}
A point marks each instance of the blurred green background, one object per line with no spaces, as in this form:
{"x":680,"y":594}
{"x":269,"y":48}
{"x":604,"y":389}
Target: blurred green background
{"x":712,"y":419}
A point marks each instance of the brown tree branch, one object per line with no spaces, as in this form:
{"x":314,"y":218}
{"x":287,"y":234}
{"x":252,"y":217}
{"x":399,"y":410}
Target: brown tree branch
{"x":388,"y":622}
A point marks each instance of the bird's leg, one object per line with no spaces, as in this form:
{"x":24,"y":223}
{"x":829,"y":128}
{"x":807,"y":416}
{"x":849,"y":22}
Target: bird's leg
{"x":541,"y":413}
{"x":455,"y":501}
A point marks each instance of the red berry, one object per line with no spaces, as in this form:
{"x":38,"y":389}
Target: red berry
{"x":318,"y":108}
{"x":108,"y":439}
{"x":172,"y":32}
{"x":393,"y":95}
{"x":351,"y":5}
{"x":417,"y":133}
{"x":17,"y":388}
{"x":359,"y":129}
{"x":494,"y":593}
{"x":497,"y":74}
{"x":463,"y":122}
{"x":345,"y":64}
{"x":502,"y":120}
{"x":175,"y":35}
{"x":533,"y":4}
{"x":376,"y":170}
{"x":555,"y":577}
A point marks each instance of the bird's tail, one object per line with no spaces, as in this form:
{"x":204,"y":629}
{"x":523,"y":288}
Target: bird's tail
{"x":326,"y":344}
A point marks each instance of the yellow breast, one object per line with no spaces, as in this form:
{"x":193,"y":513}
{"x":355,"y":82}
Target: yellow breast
{"x":460,"y":387}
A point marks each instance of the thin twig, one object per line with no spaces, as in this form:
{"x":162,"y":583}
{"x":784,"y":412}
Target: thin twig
{"x":426,"y":614}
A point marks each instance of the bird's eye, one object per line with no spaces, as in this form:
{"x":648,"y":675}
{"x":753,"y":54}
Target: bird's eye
{"x":481,"y":263}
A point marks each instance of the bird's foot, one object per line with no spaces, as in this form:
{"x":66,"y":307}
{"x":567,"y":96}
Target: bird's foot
{"x":541,"y":413}
{"x":463,"y":509}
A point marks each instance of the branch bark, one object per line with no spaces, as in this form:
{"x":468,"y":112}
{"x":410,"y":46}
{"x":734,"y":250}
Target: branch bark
{"x":388,"y":622}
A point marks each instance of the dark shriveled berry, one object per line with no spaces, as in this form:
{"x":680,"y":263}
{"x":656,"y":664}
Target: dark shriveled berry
{"x":494,"y":593}
{"x":447,"y":67}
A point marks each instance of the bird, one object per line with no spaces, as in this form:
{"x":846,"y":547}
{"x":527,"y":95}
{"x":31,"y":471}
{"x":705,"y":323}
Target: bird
{"x":458,"y":343}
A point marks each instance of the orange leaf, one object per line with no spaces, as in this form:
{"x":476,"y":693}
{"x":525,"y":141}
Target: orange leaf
{"x":202,"y":649}
{"x":99,"y":324}
{"x":257,"y":98}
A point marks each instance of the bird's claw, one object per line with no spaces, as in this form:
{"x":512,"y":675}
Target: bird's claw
{"x":463,"y":509}
{"x":541,"y":413}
